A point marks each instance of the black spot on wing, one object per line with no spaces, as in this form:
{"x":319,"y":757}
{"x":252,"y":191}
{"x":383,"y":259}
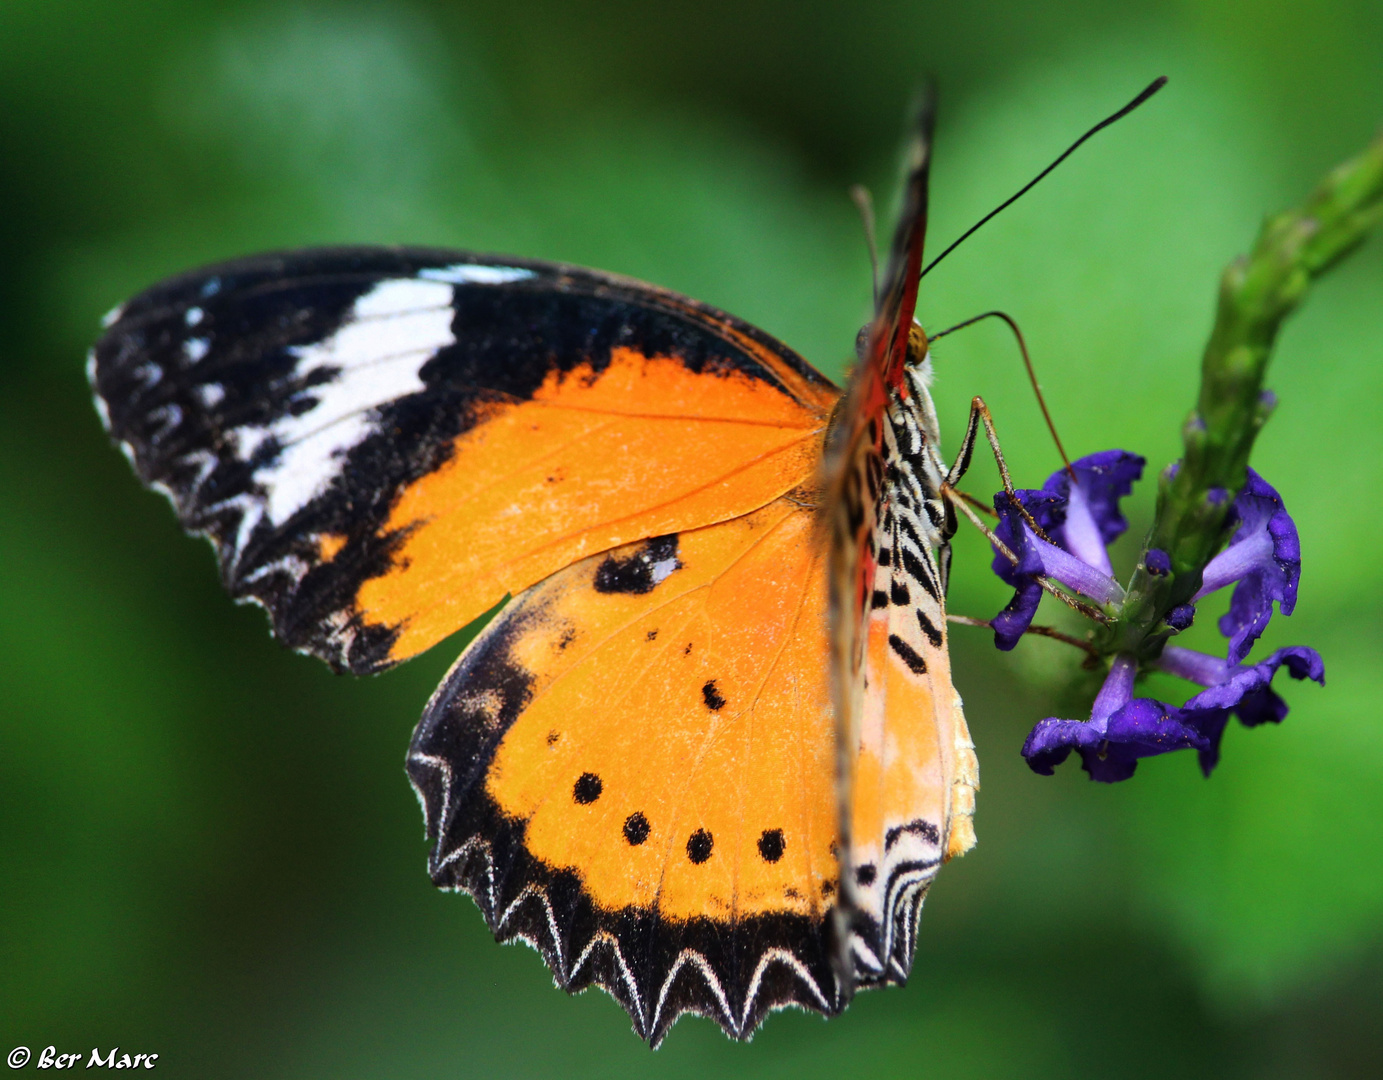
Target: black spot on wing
{"x":587,"y":788}
{"x":933,"y":634}
{"x":699,"y":846}
{"x":918,"y":571}
{"x":640,"y":571}
{"x":771,"y":845}
{"x":907,"y":654}
{"x":898,"y":593}
{"x":711,"y":695}
{"x":865,"y":874}
{"x":636,"y":829}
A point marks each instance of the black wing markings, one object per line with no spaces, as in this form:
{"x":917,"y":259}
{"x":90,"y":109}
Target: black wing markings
{"x":196,"y":376}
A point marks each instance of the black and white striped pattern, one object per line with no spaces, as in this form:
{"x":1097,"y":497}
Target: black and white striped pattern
{"x":284,"y":398}
{"x":911,"y":544}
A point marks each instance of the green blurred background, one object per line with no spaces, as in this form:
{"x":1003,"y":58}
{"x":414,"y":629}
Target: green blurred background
{"x":208,"y":848}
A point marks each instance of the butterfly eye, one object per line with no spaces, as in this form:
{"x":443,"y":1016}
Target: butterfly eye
{"x":917,"y":345}
{"x":862,"y":342}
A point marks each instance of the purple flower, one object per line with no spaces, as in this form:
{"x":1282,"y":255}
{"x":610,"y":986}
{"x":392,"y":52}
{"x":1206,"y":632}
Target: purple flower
{"x":1264,"y":557}
{"x":1244,"y":690}
{"x":1080,"y":519}
{"x":1101,"y":481}
{"x":1123,"y":728}
{"x":1018,"y":536}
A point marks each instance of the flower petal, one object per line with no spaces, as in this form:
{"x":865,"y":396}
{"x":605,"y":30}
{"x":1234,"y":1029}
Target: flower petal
{"x":1077,"y":574}
{"x":1104,"y":479}
{"x":1264,"y":557}
{"x":1051,"y":742}
{"x":1047,"y":510}
{"x":1142,"y":728}
{"x":1117,"y":690}
{"x":1194,"y":666}
{"x":1080,"y":535}
{"x":1211,"y":724}
{"x":1036,"y":556}
{"x":1011,"y":623}
{"x":1246,"y":692}
{"x":1301,"y":663}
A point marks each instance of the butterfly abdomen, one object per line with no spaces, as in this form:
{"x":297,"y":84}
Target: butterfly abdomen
{"x":913,"y":782}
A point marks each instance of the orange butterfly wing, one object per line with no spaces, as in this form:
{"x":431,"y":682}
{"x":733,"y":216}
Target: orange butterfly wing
{"x":631,"y":768}
{"x":383,"y":443}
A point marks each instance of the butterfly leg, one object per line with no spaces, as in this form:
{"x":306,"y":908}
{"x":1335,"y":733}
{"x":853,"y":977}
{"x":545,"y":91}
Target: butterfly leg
{"x":955,"y":499}
{"x":979,"y":414}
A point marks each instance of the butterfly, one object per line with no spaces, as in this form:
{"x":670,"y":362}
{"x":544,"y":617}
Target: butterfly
{"x":709,"y":756}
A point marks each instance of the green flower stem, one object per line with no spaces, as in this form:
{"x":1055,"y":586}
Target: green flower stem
{"x":1257,"y":292}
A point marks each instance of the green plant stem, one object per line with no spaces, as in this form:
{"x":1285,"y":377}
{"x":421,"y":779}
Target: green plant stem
{"x":1257,"y":292}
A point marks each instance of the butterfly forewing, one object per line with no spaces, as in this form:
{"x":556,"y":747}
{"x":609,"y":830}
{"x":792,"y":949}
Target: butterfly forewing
{"x":382,"y":443}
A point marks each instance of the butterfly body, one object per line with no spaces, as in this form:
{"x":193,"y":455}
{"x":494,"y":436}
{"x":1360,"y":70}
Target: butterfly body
{"x":709,"y":756}
{"x":913,"y":766}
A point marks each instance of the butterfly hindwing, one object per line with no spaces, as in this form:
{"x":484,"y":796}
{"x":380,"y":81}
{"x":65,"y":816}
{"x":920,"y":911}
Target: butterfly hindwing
{"x":382,"y":442}
{"x":632,"y":768}
{"x":915,"y":772}
{"x":906,"y":769}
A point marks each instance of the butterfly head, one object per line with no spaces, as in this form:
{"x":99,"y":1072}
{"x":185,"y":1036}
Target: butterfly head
{"x":917,"y":345}
{"x":915,"y":351}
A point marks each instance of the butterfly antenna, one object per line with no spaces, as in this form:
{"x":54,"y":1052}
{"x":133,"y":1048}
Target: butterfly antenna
{"x":1152,"y":88}
{"x":1032,"y":374}
{"x":864,"y":203}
